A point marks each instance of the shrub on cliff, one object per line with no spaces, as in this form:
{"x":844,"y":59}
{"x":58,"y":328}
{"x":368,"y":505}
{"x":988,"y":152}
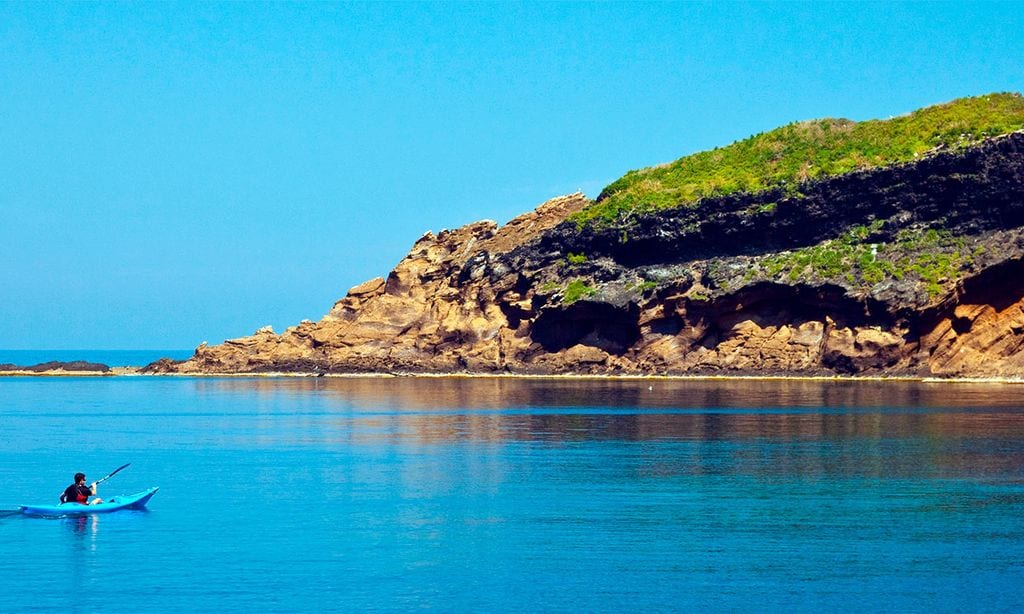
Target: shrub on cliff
{"x":807,"y":150}
{"x":576,"y":290}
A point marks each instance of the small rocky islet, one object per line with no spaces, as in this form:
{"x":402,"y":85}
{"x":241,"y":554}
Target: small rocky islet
{"x":57,"y":367}
{"x":830,"y":247}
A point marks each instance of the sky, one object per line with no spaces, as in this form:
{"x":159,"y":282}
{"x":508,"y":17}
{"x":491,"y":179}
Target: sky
{"x":179,"y":173}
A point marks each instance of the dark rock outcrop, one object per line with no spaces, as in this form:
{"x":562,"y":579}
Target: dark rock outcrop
{"x":967,"y":192}
{"x":79,"y":366}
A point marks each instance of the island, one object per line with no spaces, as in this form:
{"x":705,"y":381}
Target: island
{"x":821,"y":248}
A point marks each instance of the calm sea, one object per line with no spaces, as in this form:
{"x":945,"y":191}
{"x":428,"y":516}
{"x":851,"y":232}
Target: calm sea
{"x":517,"y":495}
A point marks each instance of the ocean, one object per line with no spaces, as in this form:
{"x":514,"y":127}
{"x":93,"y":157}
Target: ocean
{"x":501,"y":494}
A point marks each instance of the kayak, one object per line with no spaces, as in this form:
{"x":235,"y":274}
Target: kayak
{"x":120,"y":502}
{"x":113,"y":504}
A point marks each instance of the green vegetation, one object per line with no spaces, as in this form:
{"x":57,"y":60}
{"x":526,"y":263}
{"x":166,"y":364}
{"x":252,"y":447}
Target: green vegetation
{"x":643,"y":286}
{"x":935,"y":265}
{"x":933,"y":256}
{"x":576,"y":290}
{"x":576,"y":258}
{"x":802,"y":151}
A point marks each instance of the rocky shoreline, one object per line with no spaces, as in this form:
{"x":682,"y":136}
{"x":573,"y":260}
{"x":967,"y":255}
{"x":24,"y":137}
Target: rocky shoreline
{"x":135,"y":371}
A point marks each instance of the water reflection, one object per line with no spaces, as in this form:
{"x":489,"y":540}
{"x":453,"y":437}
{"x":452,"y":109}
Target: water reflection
{"x":504,"y":393}
{"x":84,"y":531}
{"x":495,"y":409}
{"x":760,"y":427}
{"x":83,"y":526}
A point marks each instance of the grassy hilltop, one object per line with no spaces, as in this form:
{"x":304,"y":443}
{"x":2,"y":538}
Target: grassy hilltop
{"x":806,"y":150}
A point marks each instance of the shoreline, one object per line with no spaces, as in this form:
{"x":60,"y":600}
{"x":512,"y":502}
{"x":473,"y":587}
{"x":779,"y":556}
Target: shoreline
{"x":129,"y":372}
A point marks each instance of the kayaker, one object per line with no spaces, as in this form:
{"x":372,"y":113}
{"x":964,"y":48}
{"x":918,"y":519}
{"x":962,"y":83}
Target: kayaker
{"x":79,"y":492}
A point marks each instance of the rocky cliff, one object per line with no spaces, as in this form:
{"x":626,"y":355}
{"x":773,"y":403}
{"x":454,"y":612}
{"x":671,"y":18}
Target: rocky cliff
{"x":912,"y":268}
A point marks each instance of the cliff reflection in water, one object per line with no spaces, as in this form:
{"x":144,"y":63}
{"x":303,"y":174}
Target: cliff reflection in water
{"x":796,"y":426}
{"x":405,"y":393}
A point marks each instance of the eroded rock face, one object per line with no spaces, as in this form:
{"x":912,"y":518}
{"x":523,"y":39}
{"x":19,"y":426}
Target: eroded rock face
{"x":445,"y":307}
{"x":693,"y":291}
{"x":981,"y":332}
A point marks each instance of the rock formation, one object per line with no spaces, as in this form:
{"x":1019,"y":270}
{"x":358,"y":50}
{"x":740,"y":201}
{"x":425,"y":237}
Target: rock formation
{"x":55,"y":367}
{"x":909,"y":269}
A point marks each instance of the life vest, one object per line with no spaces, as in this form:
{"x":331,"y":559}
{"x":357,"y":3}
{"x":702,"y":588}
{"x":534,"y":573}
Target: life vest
{"x":80,"y":496}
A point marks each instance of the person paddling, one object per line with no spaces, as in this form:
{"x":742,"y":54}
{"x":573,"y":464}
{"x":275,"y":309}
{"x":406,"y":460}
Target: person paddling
{"x":79,"y":492}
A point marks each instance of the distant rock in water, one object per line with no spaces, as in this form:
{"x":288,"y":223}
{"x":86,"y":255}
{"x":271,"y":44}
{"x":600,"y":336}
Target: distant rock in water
{"x":55,"y":365}
{"x":904,"y":256}
{"x":165,"y":365}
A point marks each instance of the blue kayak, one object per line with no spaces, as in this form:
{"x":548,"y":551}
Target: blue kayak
{"x":120,"y":502}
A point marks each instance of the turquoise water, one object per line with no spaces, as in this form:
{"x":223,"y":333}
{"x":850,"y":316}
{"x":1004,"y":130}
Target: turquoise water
{"x":512,"y":495}
{"x":111,"y":358}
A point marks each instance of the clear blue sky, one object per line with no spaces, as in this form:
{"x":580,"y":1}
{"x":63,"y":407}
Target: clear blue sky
{"x":174,"y":173}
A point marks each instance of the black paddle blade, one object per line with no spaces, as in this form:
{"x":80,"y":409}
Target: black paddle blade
{"x":111,"y":474}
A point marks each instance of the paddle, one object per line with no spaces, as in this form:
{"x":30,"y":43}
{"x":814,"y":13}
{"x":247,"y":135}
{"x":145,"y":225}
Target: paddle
{"x":111,"y":474}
